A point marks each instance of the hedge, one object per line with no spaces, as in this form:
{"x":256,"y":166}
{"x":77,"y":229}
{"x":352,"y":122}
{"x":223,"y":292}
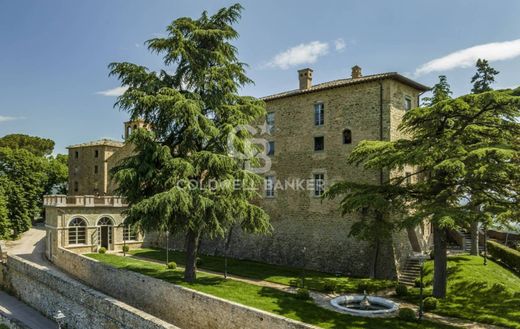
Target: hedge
{"x":508,"y":256}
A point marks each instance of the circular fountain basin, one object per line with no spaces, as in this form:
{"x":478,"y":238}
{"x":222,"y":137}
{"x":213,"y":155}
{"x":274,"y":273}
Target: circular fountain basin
{"x":379,"y":306}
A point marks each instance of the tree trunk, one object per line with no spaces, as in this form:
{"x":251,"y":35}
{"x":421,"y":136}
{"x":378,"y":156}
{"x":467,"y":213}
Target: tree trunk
{"x":375,"y":260}
{"x":440,"y":262}
{"x":474,"y":238}
{"x":192,"y":241}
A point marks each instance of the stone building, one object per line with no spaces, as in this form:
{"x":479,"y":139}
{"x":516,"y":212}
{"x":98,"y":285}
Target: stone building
{"x":310,"y":132}
{"x":90,"y":216}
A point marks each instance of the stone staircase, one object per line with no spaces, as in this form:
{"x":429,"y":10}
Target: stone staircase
{"x":467,"y":242}
{"x":410,"y":272}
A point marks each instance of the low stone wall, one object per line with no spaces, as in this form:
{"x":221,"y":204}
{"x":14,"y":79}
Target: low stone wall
{"x":48,"y":291}
{"x":181,"y":306}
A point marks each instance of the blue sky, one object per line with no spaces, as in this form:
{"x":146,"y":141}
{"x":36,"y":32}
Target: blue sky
{"x":54,"y":54}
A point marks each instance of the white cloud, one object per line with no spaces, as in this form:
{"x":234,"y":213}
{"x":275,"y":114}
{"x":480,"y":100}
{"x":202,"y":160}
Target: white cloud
{"x":4,"y":118}
{"x":340,"y":44}
{"x":495,"y":51}
{"x":118,"y":91}
{"x":305,"y":53}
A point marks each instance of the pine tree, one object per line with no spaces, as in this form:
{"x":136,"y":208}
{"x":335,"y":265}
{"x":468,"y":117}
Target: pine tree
{"x":440,"y":92}
{"x":193,"y":108}
{"x":461,"y":146}
{"x":484,"y":77}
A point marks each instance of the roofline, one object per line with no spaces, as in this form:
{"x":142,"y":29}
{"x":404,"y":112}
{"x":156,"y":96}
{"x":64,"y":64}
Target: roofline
{"x":102,"y":142}
{"x":348,"y":82}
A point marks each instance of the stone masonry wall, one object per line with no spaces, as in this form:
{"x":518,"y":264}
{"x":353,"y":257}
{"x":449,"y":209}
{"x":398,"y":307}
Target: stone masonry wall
{"x":184,"y":307}
{"x":48,"y":291}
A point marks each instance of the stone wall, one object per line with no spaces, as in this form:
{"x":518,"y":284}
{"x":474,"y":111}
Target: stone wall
{"x":181,"y":306}
{"x":48,"y":291}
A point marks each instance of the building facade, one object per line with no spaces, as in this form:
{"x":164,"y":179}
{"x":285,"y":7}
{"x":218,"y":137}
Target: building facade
{"x":309,"y":133}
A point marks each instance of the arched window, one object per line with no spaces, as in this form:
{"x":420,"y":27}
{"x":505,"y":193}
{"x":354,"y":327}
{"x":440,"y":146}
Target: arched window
{"x":105,"y":221}
{"x":129,"y":232}
{"x":77,"y":231}
{"x":347,"y":136}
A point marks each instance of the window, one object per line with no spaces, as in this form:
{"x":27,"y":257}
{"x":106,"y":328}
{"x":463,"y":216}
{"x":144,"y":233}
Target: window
{"x":96,"y":169}
{"x":270,"y":148}
{"x":269,"y":120}
{"x":76,"y":186}
{"x":96,"y":153}
{"x":129,"y":233}
{"x":269,"y":186}
{"x":347,"y":136}
{"x":76,"y":154}
{"x":408,"y":179}
{"x":77,"y":231}
{"x":318,"y":114}
{"x":319,"y":182}
{"x":407,"y":103}
{"x":319,"y":143}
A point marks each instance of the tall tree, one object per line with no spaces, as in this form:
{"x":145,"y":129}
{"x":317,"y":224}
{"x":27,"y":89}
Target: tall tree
{"x":193,"y":107}
{"x":440,"y":92}
{"x":460,"y":146}
{"x":484,"y":78}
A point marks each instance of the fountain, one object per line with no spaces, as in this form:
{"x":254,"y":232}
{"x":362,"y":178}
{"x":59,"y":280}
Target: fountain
{"x":364,"y":305}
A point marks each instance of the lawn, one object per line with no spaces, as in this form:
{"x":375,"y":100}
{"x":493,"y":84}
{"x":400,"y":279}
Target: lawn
{"x":487,"y":294}
{"x":267,"y":299}
{"x":290,"y":276}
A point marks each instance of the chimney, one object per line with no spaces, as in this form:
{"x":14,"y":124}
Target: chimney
{"x":356,"y":72}
{"x":305,"y":77}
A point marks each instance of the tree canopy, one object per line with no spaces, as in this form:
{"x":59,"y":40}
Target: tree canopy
{"x":182,"y":176}
{"x":27,"y":172}
{"x":484,"y":78}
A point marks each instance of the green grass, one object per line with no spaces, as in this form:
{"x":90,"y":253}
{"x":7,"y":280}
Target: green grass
{"x":272,"y":273}
{"x":487,"y":294}
{"x":267,"y":299}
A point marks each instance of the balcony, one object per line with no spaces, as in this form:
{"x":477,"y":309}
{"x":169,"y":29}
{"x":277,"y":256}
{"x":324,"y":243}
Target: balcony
{"x":83,"y":201}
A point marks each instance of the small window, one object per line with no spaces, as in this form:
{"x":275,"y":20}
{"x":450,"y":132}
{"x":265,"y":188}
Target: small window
{"x":270,"y":148}
{"x":77,"y":231}
{"x":129,"y":233}
{"x":96,"y":154}
{"x":76,"y":154}
{"x":319,"y":183}
{"x":269,"y":120}
{"x":318,"y":114}
{"x":408,"y":178}
{"x":96,"y":169}
{"x":319,"y":143}
{"x":76,"y":186}
{"x":269,"y":186}
{"x":407,"y":103}
{"x":347,"y":136}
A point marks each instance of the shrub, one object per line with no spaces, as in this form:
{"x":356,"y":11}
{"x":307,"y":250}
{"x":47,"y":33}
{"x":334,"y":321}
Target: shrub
{"x":365,"y":286}
{"x":126,"y":248}
{"x":302,"y":293}
{"x":508,"y":256}
{"x":401,"y":290}
{"x":199,"y":261}
{"x":429,"y":304}
{"x":102,"y":250}
{"x":417,"y":283}
{"x":171,"y":265}
{"x":329,"y":287}
{"x":407,"y":314}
